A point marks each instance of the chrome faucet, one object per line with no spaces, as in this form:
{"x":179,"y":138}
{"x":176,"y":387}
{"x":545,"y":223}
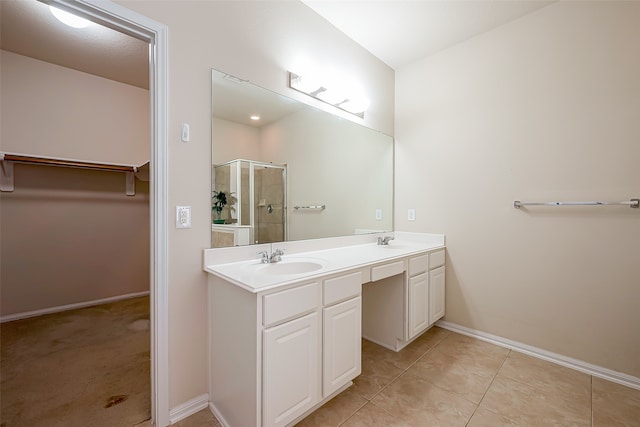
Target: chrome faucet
{"x":274,"y":257}
{"x":385,"y":240}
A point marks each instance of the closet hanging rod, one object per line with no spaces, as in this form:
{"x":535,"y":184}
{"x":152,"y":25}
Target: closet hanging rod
{"x":632,"y":203}
{"x":67,"y":163}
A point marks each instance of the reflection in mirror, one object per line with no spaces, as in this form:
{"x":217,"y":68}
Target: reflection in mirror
{"x":296,"y":173}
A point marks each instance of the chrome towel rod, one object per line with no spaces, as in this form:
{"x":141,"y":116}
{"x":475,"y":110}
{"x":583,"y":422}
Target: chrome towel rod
{"x":633,"y":203}
{"x":310,"y":207}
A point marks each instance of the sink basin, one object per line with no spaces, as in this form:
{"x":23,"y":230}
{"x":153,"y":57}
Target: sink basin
{"x":391,"y":246}
{"x":293,"y":266}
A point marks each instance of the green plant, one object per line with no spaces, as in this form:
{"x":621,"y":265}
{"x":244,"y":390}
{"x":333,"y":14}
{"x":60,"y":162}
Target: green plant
{"x":218,"y":201}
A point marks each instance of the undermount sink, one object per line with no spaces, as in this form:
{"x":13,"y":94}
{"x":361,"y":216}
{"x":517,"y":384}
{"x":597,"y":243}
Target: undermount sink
{"x":292,"y":266}
{"x":391,"y":246}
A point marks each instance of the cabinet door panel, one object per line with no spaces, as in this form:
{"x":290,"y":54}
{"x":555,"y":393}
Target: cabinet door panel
{"x":342,"y":344}
{"x":291,"y":370}
{"x":436,"y":294}
{"x":418,"y":304}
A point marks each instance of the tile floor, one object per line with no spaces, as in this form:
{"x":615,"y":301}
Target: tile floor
{"x":447,"y":379}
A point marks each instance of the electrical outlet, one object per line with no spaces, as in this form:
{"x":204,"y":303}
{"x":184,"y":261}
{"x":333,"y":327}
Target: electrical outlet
{"x":183,"y":216}
{"x":411,"y":214}
{"x":378,"y":214}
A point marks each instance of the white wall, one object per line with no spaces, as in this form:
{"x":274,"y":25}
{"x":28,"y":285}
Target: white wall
{"x":71,"y":236}
{"x":544,"y":108}
{"x":255,"y":40}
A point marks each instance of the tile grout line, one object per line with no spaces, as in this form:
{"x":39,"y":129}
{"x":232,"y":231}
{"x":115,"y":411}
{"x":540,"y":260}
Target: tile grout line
{"x":369,"y":401}
{"x":488,"y":388}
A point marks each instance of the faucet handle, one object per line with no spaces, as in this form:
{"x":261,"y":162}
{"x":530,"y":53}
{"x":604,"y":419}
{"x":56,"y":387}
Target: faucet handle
{"x":264,"y":256}
{"x":277,"y":255}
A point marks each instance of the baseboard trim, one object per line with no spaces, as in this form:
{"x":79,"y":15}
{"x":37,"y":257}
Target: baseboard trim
{"x":189,"y":408}
{"x":50,"y":310}
{"x":569,"y":362}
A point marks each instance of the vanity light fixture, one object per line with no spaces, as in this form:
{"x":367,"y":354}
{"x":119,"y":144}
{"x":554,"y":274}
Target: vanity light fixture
{"x":69,"y":18}
{"x":350,"y":102}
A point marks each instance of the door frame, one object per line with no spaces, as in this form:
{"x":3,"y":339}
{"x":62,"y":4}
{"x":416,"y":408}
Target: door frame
{"x":136,"y":25}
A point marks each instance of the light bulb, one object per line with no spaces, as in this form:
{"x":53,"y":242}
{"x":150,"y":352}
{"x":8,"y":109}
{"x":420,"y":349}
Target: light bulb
{"x":69,"y":18}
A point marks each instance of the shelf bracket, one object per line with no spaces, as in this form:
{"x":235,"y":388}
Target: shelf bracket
{"x":6,"y":175}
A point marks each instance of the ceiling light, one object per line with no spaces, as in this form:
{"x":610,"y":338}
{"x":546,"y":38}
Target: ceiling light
{"x":255,"y":117}
{"x":69,"y":18}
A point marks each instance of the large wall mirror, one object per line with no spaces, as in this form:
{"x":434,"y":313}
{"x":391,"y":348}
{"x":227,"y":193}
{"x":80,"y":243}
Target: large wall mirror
{"x":292,"y":171}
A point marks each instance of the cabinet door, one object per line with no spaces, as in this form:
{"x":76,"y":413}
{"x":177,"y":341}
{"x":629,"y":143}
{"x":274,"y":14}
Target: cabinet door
{"x":418,"y":304}
{"x":342,"y":344}
{"x":436,"y":294}
{"x":291,"y":370}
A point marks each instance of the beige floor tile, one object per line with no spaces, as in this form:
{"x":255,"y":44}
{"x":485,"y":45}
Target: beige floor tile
{"x":463,"y":374}
{"x":144,"y":424}
{"x":372,"y":416}
{"x":546,"y":377}
{"x":414,"y":351}
{"x":458,"y":344}
{"x":410,"y":354}
{"x":418,"y":402}
{"x":336,"y":411}
{"x":377,"y":370}
{"x":527,"y":406}
{"x":202,"y":418}
{"x":485,"y":418}
{"x":615,"y":405}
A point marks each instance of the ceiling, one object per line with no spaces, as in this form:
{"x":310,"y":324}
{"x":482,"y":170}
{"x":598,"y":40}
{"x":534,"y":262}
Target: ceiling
{"x":28,"y":28}
{"x":403,"y":31}
{"x":413,"y":29}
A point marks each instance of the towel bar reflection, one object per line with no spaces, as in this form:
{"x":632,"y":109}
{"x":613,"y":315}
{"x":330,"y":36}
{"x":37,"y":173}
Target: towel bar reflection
{"x":322,"y":207}
{"x":633,"y":203}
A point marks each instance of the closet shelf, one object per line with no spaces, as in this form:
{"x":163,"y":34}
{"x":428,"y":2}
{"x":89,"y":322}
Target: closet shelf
{"x":7,"y":160}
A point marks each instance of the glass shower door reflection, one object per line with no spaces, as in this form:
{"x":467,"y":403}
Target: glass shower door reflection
{"x":269,"y":210}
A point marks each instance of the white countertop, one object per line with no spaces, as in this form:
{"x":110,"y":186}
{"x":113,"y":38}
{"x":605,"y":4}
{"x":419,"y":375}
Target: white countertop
{"x":253,"y":276}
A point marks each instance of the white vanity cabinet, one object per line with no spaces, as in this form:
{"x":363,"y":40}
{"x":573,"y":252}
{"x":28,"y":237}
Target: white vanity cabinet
{"x":290,"y":354}
{"x":281,"y":345}
{"x":342,"y":343}
{"x":436,"y":286}
{"x":277,"y":354}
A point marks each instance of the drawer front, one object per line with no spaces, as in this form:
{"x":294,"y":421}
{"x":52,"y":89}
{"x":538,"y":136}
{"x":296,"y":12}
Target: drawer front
{"x":386,"y":270}
{"x":290,"y":303}
{"x":436,"y":259}
{"x":341,"y":288}
{"x":418,"y":264}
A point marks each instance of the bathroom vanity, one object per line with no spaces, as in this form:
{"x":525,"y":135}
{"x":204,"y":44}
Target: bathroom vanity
{"x":285,"y":337}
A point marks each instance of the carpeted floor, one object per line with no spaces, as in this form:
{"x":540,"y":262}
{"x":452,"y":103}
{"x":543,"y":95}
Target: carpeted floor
{"x":84,"y":367}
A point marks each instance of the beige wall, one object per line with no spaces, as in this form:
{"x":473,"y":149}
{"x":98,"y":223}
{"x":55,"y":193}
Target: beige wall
{"x":69,"y":235}
{"x":90,"y":118}
{"x":252,"y":40}
{"x":544,"y":108}
{"x":348,"y":169}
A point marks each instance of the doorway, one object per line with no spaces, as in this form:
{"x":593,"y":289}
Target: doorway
{"x":116,"y":17}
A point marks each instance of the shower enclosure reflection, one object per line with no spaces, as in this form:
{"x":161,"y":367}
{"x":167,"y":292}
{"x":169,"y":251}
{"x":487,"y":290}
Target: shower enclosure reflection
{"x":257,"y":209}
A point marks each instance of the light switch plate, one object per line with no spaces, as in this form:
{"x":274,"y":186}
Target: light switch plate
{"x":411,"y":214}
{"x":378,"y":214}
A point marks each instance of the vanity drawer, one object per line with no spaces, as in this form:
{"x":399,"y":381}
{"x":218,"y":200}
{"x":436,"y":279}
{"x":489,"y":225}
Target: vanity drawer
{"x":418,"y":264}
{"x":342,"y":287}
{"x":290,"y":303}
{"x":436,"y":259}
{"x":386,"y":270}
